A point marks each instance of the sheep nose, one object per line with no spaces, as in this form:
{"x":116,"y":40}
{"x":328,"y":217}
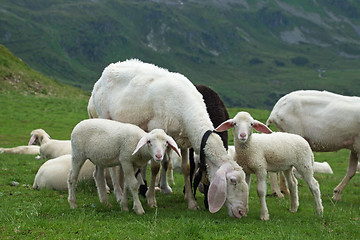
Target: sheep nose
{"x":158,"y":156}
{"x":243,"y":135}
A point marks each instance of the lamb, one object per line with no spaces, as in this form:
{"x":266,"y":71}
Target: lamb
{"x":108,"y":143}
{"x":328,"y":121}
{"x":259,"y":153}
{"x":53,"y":173}
{"x":152,"y":97}
{"x":49,"y":148}
{"x":31,"y":150}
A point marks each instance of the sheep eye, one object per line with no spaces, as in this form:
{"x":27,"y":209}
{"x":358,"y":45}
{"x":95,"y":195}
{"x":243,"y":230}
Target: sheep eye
{"x":148,"y":141}
{"x":233,"y":181}
{"x":234,"y":123}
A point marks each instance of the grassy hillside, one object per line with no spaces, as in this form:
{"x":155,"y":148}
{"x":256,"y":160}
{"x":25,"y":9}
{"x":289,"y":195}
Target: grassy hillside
{"x":17,"y":77}
{"x":251,"y":52}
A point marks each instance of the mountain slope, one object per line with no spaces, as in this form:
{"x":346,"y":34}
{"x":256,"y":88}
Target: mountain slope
{"x":17,"y":77}
{"x":251,"y":52}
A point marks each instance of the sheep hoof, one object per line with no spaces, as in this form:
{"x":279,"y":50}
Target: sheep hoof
{"x":73,"y":205}
{"x":152,"y":204}
{"x":140,"y":211}
{"x":265,"y":217}
{"x":193,"y":206}
{"x":293,"y":210}
{"x":166,"y":190}
{"x":336,"y":196}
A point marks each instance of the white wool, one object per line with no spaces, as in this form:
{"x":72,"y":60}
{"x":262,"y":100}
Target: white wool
{"x":53,"y":173}
{"x":259,"y":153}
{"x":49,"y":148}
{"x":32,"y":150}
{"x":152,"y":97}
{"x":108,"y":143}
{"x":328,"y":121}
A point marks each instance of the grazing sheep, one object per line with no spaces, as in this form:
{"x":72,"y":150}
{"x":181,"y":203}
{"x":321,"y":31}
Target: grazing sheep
{"x":49,"y":148}
{"x":152,"y":97}
{"x":53,"y":173}
{"x":31,"y":150}
{"x":260,"y":153}
{"x":218,"y":114}
{"x":328,"y":121}
{"x":109,"y":143}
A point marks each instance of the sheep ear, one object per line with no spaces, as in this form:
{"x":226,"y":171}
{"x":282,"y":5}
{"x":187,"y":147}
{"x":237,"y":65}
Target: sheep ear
{"x":217,"y":190}
{"x":32,"y":139}
{"x":141,"y":143}
{"x":173,"y":145}
{"x":225,"y":126}
{"x":260,"y":127}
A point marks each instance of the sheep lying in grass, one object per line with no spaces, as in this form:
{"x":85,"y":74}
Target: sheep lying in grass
{"x":152,"y":97}
{"x":108,"y":143}
{"x":49,"y":148}
{"x":31,"y":150}
{"x":54,"y":172}
{"x":260,"y":153}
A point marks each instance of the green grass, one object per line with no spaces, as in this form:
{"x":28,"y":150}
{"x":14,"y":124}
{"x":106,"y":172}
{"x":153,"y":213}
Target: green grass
{"x":26,"y":213}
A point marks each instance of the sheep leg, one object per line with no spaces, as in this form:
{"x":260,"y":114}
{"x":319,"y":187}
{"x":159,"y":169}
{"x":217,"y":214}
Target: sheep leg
{"x":275,"y":189}
{"x":164,"y":186}
{"x":150,"y":194}
{"x":283,"y":187}
{"x":353,"y":162}
{"x":116,"y":184}
{"x":72,"y":180}
{"x":101,"y":185}
{"x":171,"y":173}
{"x":133,"y":184}
{"x":307,"y":174}
{"x":248,"y":181}
{"x":261,"y":191}
{"x":292,"y":183}
{"x":189,"y":197}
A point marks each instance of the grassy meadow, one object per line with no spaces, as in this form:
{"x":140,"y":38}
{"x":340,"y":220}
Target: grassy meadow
{"x":26,"y":213}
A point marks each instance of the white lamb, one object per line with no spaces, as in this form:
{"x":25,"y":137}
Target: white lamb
{"x":328,"y":121}
{"x":152,"y":97}
{"x":49,"y":148}
{"x":31,"y":150}
{"x":109,"y":143}
{"x":53,"y":173}
{"x":260,"y":153}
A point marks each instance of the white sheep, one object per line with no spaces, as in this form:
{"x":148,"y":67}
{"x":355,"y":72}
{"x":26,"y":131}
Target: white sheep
{"x":260,"y":153}
{"x":31,"y":150}
{"x":152,"y":97}
{"x":328,"y":121}
{"x":49,"y":148}
{"x":109,"y":143}
{"x":53,"y":173}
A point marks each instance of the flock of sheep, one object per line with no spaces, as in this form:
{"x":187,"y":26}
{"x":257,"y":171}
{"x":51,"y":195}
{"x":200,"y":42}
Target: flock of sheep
{"x":140,"y":112}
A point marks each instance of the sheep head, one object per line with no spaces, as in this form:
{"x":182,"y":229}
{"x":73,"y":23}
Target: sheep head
{"x":243,"y":125}
{"x":157,"y":141}
{"x":228,"y":187}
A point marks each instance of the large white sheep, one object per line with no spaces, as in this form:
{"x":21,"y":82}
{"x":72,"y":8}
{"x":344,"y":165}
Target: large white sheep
{"x":49,"y":148}
{"x":108,"y":143}
{"x":328,"y":121}
{"x":260,"y":153}
{"x":53,"y":173}
{"x":152,"y":97}
{"x":31,"y":150}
